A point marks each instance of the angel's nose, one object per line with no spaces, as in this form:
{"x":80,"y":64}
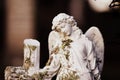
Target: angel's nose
{"x":53,"y":27}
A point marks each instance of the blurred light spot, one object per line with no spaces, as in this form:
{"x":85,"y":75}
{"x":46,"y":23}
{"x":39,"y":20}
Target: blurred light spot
{"x":100,"y":5}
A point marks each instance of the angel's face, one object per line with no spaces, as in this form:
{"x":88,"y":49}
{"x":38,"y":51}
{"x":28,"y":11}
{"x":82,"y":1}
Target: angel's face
{"x":64,"y":28}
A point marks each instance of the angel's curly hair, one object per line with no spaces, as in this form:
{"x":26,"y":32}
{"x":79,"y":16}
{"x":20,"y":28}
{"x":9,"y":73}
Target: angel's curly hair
{"x":63,"y":18}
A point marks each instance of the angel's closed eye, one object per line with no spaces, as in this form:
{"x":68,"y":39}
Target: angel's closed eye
{"x":58,"y":29}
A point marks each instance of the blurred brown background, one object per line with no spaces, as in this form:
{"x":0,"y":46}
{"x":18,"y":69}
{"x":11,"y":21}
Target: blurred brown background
{"x":21,"y":19}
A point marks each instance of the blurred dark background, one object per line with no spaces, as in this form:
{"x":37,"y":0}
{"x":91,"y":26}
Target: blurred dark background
{"x":44,"y":11}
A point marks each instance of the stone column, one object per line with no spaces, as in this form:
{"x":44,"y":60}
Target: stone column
{"x":20,"y":20}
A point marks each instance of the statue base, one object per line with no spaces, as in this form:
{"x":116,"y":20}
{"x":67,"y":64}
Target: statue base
{"x":17,"y":73}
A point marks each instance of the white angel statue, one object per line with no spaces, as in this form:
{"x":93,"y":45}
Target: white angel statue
{"x":72,"y":54}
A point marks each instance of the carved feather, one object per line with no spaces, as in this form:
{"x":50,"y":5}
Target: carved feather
{"x":95,"y":36}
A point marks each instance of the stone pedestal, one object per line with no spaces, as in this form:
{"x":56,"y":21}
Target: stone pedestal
{"x":30,"y":64}
{"x":31,"y":55}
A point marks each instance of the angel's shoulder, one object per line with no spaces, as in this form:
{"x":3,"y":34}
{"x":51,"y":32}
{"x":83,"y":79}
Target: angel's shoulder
{"x":53,"y":33}
{"x":53,"y":38}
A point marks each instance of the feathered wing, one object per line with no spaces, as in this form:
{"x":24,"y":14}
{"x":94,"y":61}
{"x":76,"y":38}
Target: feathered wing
{"x":53,"y":38}
{"x":95,"y":36}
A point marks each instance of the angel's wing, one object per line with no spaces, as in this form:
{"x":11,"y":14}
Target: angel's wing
{"x":95,"y":36}
{"x":53,"y":38}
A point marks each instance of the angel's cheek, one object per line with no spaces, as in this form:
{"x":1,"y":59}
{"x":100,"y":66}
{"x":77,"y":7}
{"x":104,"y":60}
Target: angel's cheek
{"x":68,"y":29}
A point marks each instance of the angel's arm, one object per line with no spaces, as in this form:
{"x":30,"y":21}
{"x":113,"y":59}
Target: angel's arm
{"x":53,"y":41}
{"x":50,"y":70}
{"x":53,"y":63}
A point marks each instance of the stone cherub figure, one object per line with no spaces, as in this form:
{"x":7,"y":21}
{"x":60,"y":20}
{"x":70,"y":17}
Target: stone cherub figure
{"x":72,"y":54}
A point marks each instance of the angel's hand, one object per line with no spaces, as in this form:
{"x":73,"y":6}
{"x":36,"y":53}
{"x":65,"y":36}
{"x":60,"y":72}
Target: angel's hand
{"x":39,"y":75}
{"x":55,"y":50}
